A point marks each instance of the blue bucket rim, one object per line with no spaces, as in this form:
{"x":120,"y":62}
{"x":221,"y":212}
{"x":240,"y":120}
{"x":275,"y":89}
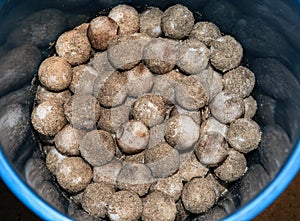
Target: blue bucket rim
{"x":247,"y":212}
{"x":272,"y":191}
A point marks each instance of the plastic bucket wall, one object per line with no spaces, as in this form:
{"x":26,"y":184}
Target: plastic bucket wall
{"x":269,"y":32}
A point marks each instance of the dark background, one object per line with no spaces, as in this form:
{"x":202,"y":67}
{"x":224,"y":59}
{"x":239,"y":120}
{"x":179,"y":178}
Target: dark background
{"x":286,"y":207}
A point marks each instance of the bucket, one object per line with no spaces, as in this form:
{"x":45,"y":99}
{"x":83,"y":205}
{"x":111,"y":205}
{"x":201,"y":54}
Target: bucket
{"x":269,"y":32}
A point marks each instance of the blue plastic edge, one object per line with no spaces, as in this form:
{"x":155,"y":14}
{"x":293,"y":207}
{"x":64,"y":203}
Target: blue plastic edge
{"x":29,"y":198}
{"x":265,"y":198}
{"x":272,"y":191}
{"x":26,"y":195}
